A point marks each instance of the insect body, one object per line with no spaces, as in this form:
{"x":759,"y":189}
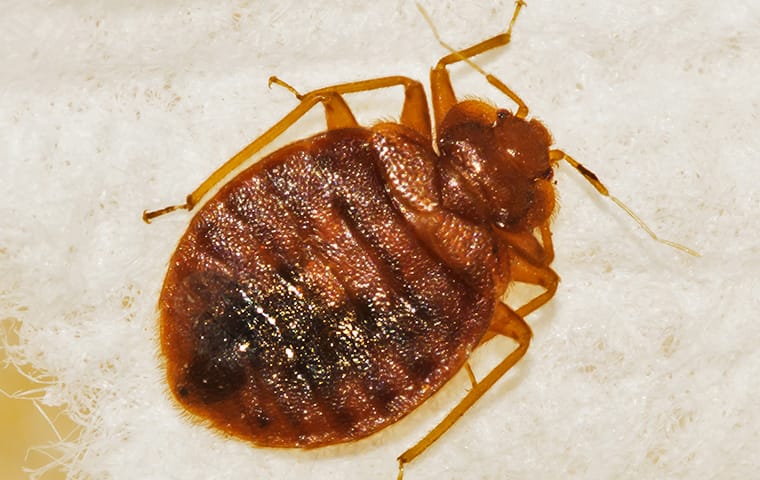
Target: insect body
{"x":329,"y":289}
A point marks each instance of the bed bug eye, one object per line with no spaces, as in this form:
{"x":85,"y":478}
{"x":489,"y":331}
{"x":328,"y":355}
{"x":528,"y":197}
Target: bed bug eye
{"x":503,"y":114}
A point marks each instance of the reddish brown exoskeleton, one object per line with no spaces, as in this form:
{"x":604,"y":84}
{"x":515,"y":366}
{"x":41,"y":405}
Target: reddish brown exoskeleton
{"x":329,"y":289}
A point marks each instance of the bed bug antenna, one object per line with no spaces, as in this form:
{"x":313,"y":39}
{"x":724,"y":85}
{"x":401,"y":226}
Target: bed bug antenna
{"x":557,"y":155}
{"x":499,"y":40}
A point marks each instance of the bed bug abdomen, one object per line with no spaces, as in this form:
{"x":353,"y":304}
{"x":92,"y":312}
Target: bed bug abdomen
{"x":305,"y":306}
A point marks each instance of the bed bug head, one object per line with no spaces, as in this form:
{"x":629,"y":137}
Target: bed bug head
{"x":498,"y":166}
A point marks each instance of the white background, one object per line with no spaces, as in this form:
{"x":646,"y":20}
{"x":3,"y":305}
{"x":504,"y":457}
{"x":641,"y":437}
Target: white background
{"x":645,"y":365}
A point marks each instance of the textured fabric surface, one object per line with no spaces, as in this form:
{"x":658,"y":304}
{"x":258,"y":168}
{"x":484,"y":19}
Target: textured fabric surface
{"x":644,"y":365}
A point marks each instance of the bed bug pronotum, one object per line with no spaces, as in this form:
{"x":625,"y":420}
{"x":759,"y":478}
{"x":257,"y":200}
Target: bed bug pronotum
{"x":329,"y":289}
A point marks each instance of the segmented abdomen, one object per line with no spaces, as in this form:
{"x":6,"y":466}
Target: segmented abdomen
{"x":302,"y":308}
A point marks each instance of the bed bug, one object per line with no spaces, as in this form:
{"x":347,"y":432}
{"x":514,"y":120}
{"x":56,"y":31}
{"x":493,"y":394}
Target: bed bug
{"x":329,"y":289}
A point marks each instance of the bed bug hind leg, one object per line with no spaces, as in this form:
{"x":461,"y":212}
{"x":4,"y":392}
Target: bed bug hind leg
{"x":413,"y":115}
{"x":505,"y":322}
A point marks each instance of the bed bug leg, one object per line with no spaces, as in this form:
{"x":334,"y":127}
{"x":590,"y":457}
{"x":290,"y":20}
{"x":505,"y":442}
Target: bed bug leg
{"x":548,"y":245}
{"x":505,"y":322}
{"x":470,"y":374}
{"x":443,"y":96}
{"x":529,"y":263}
{"x":274,"y":80}
{"x":528,"y":245}
{"x":557,"y":155}
{"x":147,"y":216}
{"x":524,"y":270}
{"x":414,"y":115}
{"x":337,"y":112}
